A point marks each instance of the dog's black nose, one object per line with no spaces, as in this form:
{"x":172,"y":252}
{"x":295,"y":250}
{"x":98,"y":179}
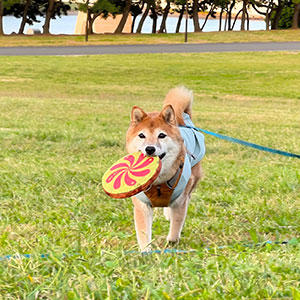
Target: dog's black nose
{"x":150,"y":150}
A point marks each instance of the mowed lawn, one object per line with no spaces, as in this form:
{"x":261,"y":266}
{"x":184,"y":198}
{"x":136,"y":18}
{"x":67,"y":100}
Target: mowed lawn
{"x":62,"y":124}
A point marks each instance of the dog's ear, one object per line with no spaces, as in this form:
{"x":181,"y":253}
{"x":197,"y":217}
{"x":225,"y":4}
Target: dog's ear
{"x":168,"y":114}
{"x":137,"y":115}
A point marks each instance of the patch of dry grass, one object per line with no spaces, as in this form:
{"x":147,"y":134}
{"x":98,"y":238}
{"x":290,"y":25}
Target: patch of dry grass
{"x":110,"y":39}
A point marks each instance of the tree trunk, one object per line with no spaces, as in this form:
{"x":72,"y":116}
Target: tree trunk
{"x":268,"y":15}
{"x":164,"y":19}
{"x":267,"y":21}
{"x":244,"y":10}
{"x":91,"y":22}
{"x":1,"y":18}
{"x":296,"y":16}
{"x":278,"y":11}
{"x":206,"y":18}
{"x":195,"y":16}
{"x":124,"y":18}
{"x":230,"y":14}
{"x":220,"y":19}
{"x":133,"y":23}
{"x":154,"y":18}
{"x":143,"y":18}
{"x":235,"y":19}
{"x":134,"y":19}
{"x":49,"y":14}
{"x":24,"y":18}
{"x":226,"y":20}
{"x":180,"y":18}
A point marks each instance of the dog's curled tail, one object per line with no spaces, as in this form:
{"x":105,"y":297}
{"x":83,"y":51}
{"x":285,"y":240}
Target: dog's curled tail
{"x":181,"y":100}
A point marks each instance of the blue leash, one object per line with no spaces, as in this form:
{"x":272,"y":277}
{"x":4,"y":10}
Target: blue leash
{"x":244,"y":143}
{"x":175,"y":251}
{"x":10,"y":256}
{"x":293,"y":241}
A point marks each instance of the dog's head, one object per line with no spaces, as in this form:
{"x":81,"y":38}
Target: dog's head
{"x":156,"y":134}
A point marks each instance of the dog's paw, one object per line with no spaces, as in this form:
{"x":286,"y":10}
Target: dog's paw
{"x":173,"y":240}
{"x":146,"y":250}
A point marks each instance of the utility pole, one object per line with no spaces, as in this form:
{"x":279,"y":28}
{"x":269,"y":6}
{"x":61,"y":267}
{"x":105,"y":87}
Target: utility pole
{"x":87,"y":21}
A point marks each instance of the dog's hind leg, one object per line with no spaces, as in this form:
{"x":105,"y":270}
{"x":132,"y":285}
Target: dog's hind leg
{"x":167,"y":213}
{"x":143,"y":216}
{"x":178,"y":210}
{"x":177,"y":218}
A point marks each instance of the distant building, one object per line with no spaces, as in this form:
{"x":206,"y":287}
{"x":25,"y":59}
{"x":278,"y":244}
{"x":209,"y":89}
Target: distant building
{"x":102,"y":25}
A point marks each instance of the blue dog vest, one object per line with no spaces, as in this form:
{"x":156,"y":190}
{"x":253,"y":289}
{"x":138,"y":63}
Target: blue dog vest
{"x":195,"y":148}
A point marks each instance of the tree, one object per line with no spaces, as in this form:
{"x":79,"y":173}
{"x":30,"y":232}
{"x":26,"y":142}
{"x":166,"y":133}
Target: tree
{"x":204,"y":6}
{"x":162,"y":28}
{"x":145,"y":14}
{"x":5,"y":6}
{"x":220,"y":18}
{"x":49,"y":14}
{"x":229,"y":10}
{"x":180,"y":9}
{"x":1,"y":17}
{"x":286,"y":18}
{"x":51,"y":9}
{"x":268,"y":6}
{"x":268,"y":14}
{"x":136,"y":9}
{"x":222,"y":4}
{"x":275,"y":16}
{"x":24,"y":16}
{"x":156,"y":10}
{"x":212,"y":5}
{"x":126,"y":10}
{"x":154,"y":15}
{"x":195,"y":16}
{"x":28,"y":10}
{"x":244,"y":15}
{"x":296,"y":16}
{"x":99,"y":8}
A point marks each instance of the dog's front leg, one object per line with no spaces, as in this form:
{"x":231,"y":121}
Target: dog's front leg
{"x":177,"y":217}
{"x":143,"y":216}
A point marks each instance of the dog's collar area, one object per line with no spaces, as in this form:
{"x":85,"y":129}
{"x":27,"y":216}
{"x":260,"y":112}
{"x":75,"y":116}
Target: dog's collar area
{"x":160,"y":195}
{"x":171,"y":183}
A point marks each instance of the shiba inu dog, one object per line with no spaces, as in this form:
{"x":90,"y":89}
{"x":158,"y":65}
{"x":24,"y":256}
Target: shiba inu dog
{"x":180,"y":149}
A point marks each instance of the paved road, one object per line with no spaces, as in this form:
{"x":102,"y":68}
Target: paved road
{"x":162,"y":48}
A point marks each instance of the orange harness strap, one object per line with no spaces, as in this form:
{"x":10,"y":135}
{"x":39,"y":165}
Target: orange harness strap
{"x":160,"y":195}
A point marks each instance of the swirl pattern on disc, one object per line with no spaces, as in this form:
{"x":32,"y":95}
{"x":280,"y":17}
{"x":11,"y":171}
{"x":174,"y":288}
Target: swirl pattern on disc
{"x":131,"y":175}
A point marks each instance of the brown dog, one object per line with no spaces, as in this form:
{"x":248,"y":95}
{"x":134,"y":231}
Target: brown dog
{"x":180,"y":149}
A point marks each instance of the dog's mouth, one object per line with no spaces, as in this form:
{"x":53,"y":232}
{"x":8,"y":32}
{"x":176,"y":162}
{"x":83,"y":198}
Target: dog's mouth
{"x":162,"y":155}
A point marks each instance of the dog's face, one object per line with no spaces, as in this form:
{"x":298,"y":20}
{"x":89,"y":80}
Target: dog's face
{"x":155,"y":134}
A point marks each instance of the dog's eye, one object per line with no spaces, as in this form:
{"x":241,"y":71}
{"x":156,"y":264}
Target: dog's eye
{"x":141,"y":136}
{"x":162,"y":135}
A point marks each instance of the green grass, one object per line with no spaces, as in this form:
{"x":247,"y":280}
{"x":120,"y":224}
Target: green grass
{"x":63,"y":122}
{"x":112,"y":39}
